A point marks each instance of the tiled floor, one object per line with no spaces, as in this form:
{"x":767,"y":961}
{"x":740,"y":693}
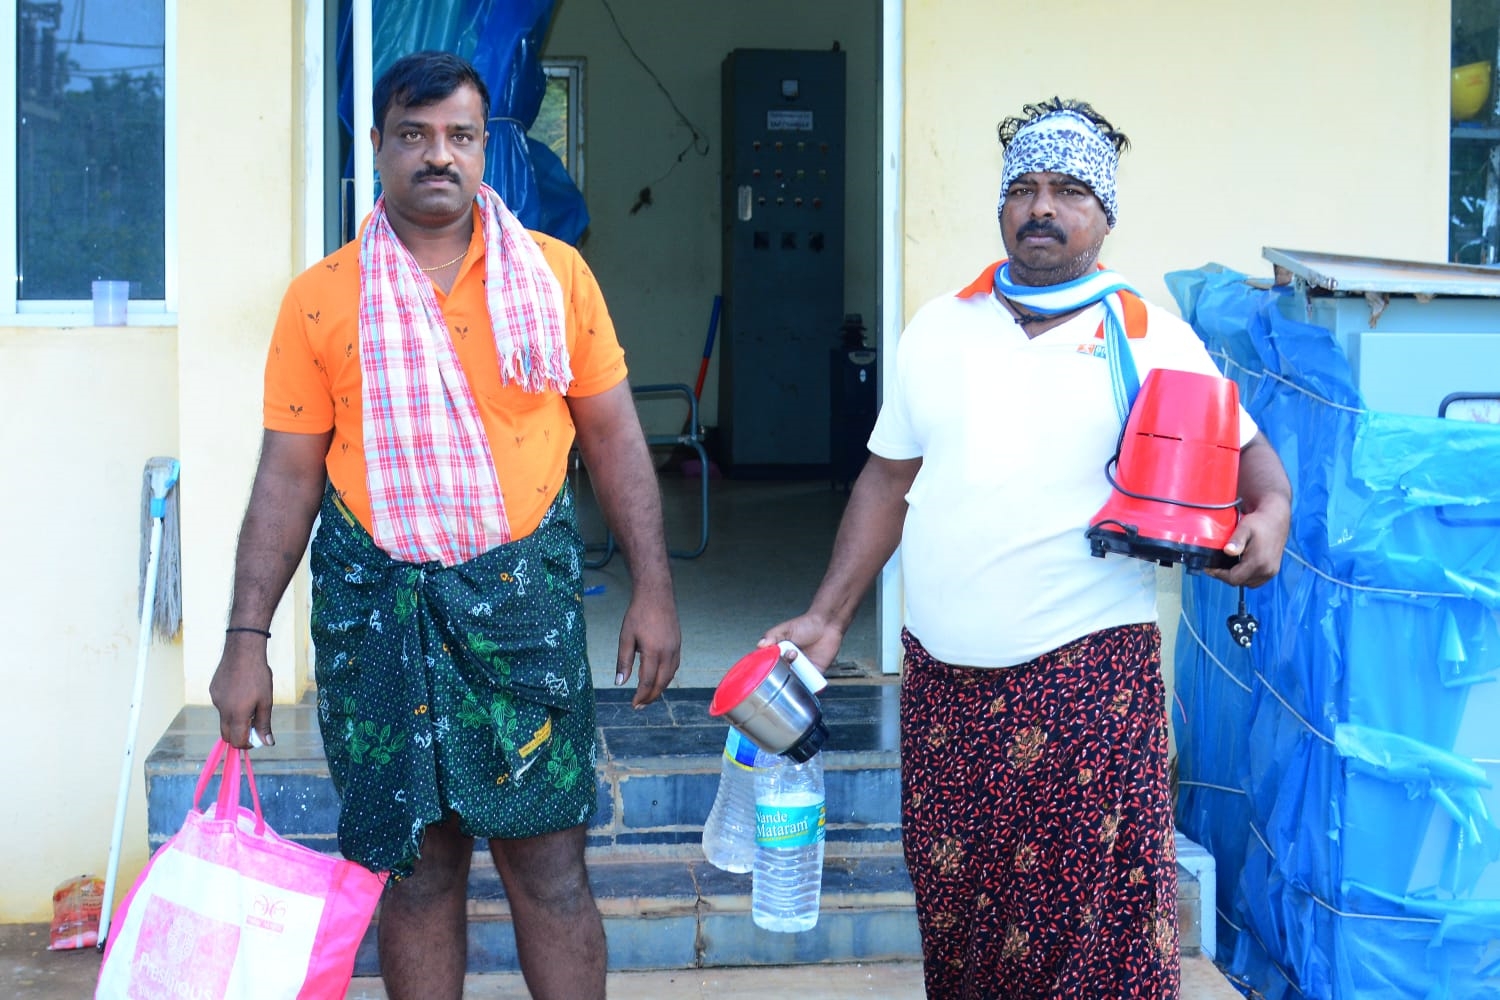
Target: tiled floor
{"x":1201,"y":980}
{"x":667,"y":751}
{"x":29,"y":972}
{"x":862,"y":717}
{"x":893,"y":981}
{"x":767,"y":548}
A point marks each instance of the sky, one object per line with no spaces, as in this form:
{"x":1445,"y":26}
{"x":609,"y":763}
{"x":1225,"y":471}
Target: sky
{"x":103,"y":37}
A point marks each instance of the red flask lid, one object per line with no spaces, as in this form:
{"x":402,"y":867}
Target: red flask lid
{"x":744,"y":677}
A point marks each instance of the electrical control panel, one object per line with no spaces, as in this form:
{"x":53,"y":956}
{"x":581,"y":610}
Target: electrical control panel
{"x":783,"y":258}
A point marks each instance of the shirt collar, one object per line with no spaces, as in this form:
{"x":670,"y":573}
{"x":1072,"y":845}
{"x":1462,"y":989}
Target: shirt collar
{"x":982,"y":285}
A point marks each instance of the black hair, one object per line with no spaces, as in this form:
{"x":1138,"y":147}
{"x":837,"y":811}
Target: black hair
{"x":1008,"y":128}
{"x":424,"y":78}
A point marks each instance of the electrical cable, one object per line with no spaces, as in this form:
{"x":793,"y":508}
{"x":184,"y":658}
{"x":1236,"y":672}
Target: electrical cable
{"x":1109,"y":475}
{"x":698,"y":138}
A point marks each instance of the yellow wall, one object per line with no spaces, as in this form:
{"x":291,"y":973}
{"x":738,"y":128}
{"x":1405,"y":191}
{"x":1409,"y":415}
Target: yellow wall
{"x":86,"y":408}
{"x":239,"y":191}
{"x":1319,"y":126}
{"x":1315,"y":126}
{"x":84,"y":411}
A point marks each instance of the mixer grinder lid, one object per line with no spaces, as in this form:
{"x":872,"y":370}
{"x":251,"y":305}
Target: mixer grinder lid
{"x":745,"y":676}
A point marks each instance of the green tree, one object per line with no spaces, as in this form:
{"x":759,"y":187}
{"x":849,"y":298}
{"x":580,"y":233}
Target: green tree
{"x":92,"y":199}
{"x":551,"y":125}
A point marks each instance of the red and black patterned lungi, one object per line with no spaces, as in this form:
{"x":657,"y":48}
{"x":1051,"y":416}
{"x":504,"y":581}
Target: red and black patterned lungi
{"x":1037,"y":822}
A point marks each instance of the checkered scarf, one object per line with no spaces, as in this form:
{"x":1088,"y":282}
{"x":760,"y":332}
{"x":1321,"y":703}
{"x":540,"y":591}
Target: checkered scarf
{"x":434,"y":492}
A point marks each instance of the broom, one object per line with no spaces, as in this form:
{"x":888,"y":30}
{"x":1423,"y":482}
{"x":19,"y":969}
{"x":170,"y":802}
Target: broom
{"x":159,"y":501}
{"x":160,"y":610}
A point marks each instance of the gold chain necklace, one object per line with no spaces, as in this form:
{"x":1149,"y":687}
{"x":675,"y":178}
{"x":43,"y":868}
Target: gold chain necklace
{"x":439,"y":267}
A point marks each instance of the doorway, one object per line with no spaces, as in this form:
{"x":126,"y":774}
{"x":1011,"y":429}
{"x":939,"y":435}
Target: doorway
{"x":650,"y":101}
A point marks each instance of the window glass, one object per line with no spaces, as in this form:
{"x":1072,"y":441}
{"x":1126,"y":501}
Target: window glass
{"x":90,"y":147}
{"x":559,"y":121}
{"x":1474,"y":146}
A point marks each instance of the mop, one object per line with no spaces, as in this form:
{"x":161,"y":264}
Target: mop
{"x":160,"y":611}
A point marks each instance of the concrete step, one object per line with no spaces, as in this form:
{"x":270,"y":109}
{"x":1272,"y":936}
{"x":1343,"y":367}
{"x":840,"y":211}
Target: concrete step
{"x":664,"y":907}
{"x":1201,"y":980}
{"x":683,"y":914}
{"x":657,"y":775}
{"x":28,"y":971}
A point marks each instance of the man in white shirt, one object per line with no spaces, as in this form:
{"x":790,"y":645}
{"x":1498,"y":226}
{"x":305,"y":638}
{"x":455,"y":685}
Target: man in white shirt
{"x":1036,"y":815}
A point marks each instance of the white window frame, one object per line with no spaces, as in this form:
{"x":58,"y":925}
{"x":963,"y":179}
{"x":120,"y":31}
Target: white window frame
{"x":572,"y":68}
{"x":80,"y":312}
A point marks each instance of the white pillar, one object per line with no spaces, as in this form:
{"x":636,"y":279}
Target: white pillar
{"x":889,"y":588}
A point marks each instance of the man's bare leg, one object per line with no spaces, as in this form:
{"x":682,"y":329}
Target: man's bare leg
{"x":423,"y":931}
{"x":559,"y":933}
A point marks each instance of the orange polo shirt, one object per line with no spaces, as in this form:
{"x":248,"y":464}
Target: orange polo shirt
{"x":313,"y":377}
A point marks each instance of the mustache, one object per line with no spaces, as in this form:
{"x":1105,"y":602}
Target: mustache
{"x":440,"y":172}
{"x":1041,"y":227}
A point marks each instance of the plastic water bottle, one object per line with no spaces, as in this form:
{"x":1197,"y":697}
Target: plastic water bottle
{"x":729,"y":831}
{"x":789,"y":822}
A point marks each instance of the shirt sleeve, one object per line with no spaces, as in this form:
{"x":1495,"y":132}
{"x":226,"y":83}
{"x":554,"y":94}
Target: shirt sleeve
{"x":894,"y":437}
{"x":297,"y":396}
{"x":594,"y":351}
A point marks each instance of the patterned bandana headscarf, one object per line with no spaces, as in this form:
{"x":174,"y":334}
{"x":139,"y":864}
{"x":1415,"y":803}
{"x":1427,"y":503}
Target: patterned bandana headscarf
{"x":1064,"y":142}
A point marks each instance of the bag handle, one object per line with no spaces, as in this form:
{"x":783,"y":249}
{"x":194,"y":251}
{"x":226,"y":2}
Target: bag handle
{"x":229,"y":786}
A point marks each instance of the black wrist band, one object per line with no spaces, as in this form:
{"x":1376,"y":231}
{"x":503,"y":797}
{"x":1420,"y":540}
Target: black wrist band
{"x":247,"y":628}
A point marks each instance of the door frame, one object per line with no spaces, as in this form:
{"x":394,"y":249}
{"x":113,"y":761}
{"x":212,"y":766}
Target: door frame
{"x":316,"y":69}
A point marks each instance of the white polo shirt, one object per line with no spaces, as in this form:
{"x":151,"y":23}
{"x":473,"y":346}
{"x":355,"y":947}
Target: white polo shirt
{"x":1014,"y":434}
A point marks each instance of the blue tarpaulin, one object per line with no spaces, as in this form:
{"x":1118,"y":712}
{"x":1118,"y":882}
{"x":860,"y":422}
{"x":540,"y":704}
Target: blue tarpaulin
{"x":1344,"y":771}
{"x":503,"y":39}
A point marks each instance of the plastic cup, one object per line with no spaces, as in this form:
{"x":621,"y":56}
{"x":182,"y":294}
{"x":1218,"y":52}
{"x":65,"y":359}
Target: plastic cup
{"x":110,"y":298}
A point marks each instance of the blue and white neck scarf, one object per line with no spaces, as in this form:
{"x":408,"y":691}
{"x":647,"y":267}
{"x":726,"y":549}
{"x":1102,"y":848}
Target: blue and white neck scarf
{"x":1098,"y":286}
{"x":1065,"y":142}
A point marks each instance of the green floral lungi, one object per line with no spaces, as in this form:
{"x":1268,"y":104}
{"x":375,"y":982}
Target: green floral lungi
{"x":462,"y":689}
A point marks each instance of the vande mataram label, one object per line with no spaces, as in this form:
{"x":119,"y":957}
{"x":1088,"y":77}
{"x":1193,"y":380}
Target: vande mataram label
{"x":789,"y":826}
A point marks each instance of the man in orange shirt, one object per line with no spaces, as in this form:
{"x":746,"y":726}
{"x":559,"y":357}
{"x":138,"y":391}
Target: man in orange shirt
{"x":424,"y":386}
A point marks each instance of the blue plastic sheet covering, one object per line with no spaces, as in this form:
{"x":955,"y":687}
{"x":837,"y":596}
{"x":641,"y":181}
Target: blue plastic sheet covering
{"x":1345,"y":771}
{"x":503,"y":39}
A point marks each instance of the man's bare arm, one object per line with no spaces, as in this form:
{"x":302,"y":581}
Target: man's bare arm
{"x":273,"y":537}
{"x":1265,"y":517}
{"x":868,"y":534}
{"x":619,"y":464}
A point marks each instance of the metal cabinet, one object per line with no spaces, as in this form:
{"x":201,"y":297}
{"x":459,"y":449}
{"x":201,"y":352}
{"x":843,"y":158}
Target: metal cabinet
{"x":1416,"y":335}
{"x":783,"y":258}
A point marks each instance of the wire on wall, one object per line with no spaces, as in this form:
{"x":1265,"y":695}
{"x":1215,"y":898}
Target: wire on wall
{"x":699,"y":142}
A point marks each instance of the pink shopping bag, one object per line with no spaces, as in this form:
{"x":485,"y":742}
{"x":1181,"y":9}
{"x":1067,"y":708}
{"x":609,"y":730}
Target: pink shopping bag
{"x":229,"y":910}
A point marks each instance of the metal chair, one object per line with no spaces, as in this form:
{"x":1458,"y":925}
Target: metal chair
{"x":692,"y":438}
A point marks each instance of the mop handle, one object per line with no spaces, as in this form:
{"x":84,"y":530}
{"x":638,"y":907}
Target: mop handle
{"x":123,"y":796}
{"x":708,"y":346}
